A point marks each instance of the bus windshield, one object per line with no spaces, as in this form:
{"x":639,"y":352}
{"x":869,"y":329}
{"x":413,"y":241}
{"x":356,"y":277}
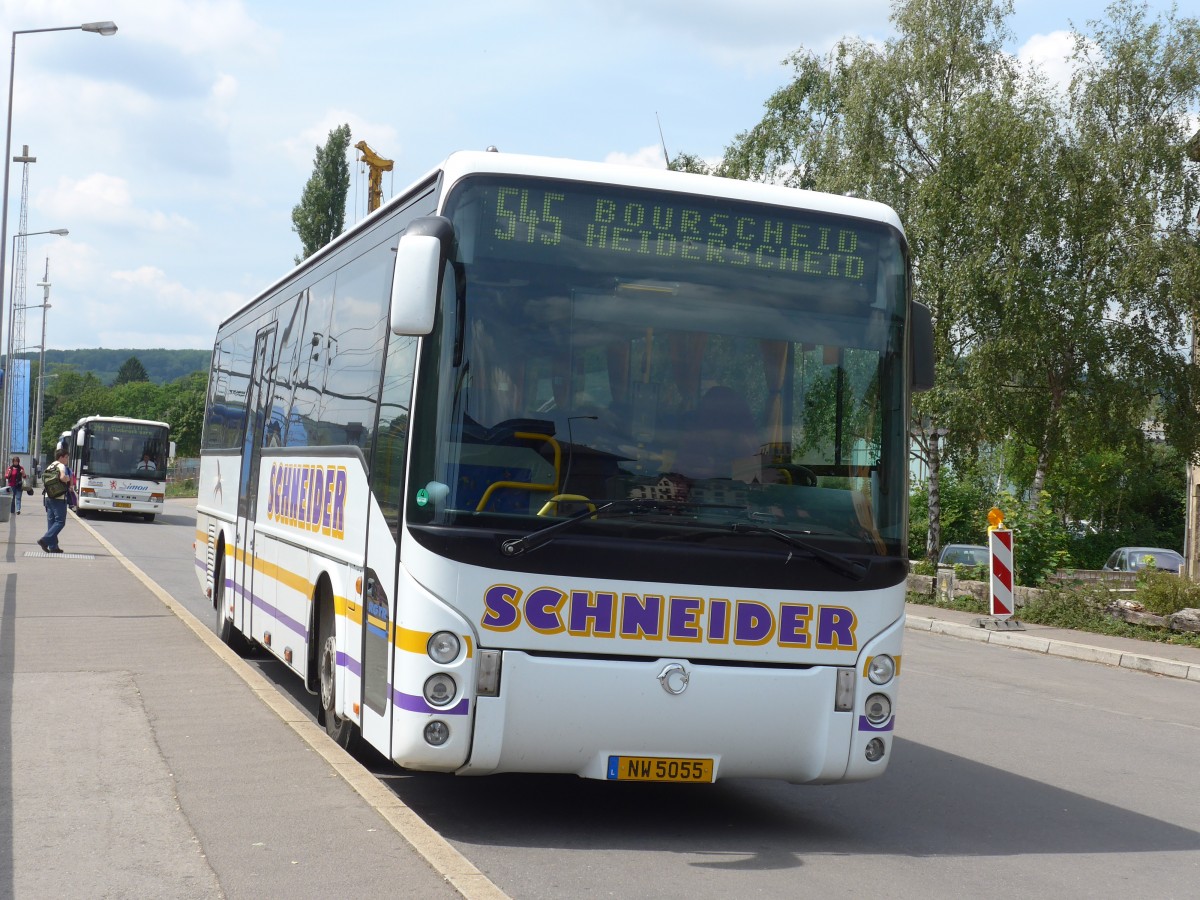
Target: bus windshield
{"x":116,"y":449}
{"x":737,"y":364}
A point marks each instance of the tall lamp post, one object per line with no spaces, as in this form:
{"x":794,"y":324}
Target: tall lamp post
{"x":103,"y":28}
{"x":35,"y":446}
{"x":6,"y":399}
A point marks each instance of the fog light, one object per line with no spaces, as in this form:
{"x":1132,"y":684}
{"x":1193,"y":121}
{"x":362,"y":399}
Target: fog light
{"x":878,"y":709}
{"x":444,"y":647}
{"x":437,"y":733}
{"x":439,"y":689}
{"x":874,"y":750}
{"x":881,"y":669}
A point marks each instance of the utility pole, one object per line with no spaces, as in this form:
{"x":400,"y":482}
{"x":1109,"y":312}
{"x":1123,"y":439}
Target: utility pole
{"x":1191,"y":533}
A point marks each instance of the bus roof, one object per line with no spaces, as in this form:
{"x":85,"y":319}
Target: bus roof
{"x":125,"y":419}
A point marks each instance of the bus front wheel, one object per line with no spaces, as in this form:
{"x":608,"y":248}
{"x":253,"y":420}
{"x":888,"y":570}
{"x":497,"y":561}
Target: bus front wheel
{"x":341,"y":730}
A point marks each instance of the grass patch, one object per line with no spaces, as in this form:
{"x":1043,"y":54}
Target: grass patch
{"x":962,"y":604}
{"x":182,"y":490}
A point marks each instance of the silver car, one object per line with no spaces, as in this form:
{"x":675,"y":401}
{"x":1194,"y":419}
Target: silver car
{"x":1134,"y":559}
{"x":964,"y":555}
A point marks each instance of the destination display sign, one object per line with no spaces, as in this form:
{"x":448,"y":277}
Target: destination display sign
{"x":528,"y":220}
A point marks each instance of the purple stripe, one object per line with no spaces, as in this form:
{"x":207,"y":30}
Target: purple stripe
{"x":412,"y":703}
{"x":864,"y":724}
{"x":273,"y":612}
{"x":349,"y":663}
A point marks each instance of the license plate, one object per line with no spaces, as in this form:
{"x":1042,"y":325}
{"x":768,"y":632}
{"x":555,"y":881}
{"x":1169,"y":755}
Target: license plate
{"x":123,"y":505}
{"x":659,"y":768}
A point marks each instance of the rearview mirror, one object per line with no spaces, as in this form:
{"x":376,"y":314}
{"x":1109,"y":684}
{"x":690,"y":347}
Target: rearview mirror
{"x":421,"y":255}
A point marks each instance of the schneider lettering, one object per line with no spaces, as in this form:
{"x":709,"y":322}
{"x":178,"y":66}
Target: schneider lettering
{"x":654,"y":617}
{"x":308,"y":497}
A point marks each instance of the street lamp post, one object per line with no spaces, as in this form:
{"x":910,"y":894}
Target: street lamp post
{"x":6,"y":398}
{"x":35,"y":446}
{"x":106,"y":29}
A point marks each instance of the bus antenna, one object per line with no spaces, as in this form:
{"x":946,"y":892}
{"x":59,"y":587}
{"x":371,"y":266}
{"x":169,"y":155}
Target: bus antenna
{"x":666,"y":157}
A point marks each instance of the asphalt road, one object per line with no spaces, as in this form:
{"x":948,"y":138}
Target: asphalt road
{"x":1014,"y":775}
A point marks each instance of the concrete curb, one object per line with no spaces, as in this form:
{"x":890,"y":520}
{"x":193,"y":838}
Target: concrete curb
{"x":438,"y":852}
{"x":1023,"y":641}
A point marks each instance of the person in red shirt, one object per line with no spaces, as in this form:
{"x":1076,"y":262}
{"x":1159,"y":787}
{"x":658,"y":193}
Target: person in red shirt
{"x":15,"y":479}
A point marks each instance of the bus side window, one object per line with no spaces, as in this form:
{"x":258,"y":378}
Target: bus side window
{"x":387,"y":472}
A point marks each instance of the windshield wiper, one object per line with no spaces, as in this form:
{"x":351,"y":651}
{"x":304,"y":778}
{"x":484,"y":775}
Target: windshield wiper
{"x":838,"y":563}
{"x":543,"y":536}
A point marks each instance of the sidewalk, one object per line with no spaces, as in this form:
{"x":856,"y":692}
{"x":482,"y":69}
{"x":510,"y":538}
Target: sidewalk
{"x":140,"y":757}
{"x":1171,"y":660}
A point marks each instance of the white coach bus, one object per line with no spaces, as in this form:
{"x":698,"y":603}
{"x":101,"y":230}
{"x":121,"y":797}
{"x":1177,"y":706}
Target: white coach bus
{"x":553,"y":466}
{"x":120,"y":464}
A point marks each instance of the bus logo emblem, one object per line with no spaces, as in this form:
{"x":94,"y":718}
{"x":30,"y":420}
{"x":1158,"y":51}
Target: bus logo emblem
{"x":674,"y":679}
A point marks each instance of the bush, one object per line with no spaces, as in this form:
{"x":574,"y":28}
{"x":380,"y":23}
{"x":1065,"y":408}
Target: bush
{"x":1080,"y":608}
{"x":1163,"y":593}
{"x":1039,"y":539}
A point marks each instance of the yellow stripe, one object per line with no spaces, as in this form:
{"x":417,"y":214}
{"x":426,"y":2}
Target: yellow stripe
{"x":411,"y":641}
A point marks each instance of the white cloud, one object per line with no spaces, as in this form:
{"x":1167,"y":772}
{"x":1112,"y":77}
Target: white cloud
{"x":756,"y":33}
{"x":149,"y":303}
{"x":301,"y":148}
{"x":105,"y":199}
{"x":650,"y":157}
{"x":221,"y":98}
{"x":1050,"y":54}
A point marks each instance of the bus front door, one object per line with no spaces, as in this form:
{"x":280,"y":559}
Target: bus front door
{"x":256,"y":594}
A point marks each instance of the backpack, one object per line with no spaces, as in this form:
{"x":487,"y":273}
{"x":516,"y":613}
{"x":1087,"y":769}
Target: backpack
{"x":54,"y":487}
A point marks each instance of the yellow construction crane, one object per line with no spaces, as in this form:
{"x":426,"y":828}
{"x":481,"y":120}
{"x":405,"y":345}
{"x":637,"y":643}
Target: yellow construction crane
{"x":376,"y":166}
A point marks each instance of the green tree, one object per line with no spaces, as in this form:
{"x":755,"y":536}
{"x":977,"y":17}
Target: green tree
{"x":184,"y":410}
{"x":1093,"y":325}
{"x":1053,"y":238}
{"x":921,"y":123}
{"x":320,"y":215}
{"x":131,"y":370}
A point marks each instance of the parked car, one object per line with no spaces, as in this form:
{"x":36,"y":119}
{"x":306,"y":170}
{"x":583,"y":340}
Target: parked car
{"x":1134,"y":559}
{"x":964,"y":555}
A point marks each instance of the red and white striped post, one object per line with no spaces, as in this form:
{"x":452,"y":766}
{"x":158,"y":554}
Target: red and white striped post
{"x":1000,"y":543}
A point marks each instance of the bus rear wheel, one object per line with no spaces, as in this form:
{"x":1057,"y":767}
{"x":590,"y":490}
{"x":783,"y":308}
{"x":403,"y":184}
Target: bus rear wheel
{"x":343,"y":731}
{"x":222,"y":624}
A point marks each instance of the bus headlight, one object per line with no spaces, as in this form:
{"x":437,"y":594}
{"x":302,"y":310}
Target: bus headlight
{"x":878,"y":709}
{"x":881,"y":669}
{"x":874,"y":751}
{"x":439,"y":689}
{"x":437,"y":733}
{"x":444,"y":647}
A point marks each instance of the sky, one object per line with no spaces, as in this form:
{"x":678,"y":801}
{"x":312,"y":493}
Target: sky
{"x":175,"y":150}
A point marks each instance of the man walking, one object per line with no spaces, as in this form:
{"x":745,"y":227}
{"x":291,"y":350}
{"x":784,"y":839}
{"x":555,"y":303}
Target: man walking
{"x":57,"y":481}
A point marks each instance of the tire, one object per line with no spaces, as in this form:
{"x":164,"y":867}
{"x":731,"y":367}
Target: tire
{"x":343,"y":731}
{"x":222,"y":624}
{"x":149,"y":517}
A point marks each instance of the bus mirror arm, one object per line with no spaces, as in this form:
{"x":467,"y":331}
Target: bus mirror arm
{"x":421,"y":254}
{"x":921,"y":344}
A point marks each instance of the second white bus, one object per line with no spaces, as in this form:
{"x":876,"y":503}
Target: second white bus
{"x":120,"y":464}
